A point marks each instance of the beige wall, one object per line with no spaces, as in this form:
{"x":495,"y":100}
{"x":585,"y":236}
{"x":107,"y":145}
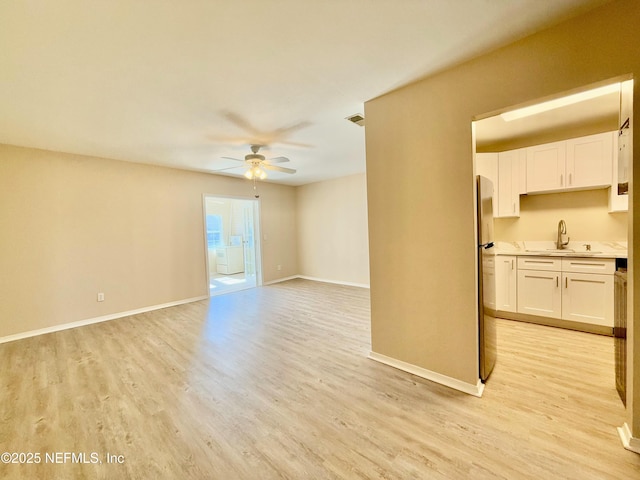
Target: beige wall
{"x":72,"y":226}
{"x":421,"y":211}
{"x":332,"y":230}
{"x":586,"y":214}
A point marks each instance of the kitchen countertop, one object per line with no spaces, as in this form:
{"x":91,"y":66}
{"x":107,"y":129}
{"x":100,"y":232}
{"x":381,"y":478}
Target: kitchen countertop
{"x":574,"y":249}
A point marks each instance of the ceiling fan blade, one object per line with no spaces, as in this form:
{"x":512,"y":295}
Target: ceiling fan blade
{"x":286,"y":131}
{"x":235,"y":159}
{"x":278,"y":169}
{"x":228,"y":168}
{"x":241,"y":122}
{"x":278,"y":160}
{"x":295,"y":144}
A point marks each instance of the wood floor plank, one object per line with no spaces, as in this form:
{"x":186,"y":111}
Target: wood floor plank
{"x":275,"y":382}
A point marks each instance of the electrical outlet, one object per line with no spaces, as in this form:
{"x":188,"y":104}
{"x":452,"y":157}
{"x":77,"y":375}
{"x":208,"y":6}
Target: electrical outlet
{"x":279,"y":267}
{"x":101,"y":297}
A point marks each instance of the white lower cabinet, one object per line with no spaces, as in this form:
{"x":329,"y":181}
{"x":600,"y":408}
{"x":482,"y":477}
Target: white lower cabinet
{"x":539,"y":293}
{"x":489,"y":280}
{"x":587,"y":298}
{"x":575,"y":289}
{"x":506,"y":282}
{"x":587,"y":290}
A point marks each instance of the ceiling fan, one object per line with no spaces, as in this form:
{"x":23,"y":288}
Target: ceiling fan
{"x":257,"y":164}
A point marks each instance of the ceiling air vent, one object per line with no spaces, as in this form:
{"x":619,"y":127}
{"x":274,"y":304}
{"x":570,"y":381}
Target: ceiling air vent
{"x":358,"y":119}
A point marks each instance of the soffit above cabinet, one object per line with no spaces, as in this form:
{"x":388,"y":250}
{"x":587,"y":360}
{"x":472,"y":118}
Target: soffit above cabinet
{"x":585,"y":118}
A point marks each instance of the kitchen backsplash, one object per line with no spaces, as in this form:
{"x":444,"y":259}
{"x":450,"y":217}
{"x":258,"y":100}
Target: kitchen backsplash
{"x":585,"y":213}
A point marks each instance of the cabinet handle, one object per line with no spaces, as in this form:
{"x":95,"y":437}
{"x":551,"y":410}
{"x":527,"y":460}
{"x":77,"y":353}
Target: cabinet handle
{"x":511,"y":264}
{"x":561,"y":180}
{"x":557,"y":281}
{"x":566,"y":282}
{"x":514,"y":207}
{"x":570,"y":177}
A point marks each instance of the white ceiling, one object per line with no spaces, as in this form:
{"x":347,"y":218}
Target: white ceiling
{"x":183,"y":83}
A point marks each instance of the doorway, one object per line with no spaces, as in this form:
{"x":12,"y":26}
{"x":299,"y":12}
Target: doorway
{"x":232,"y":246}
{"x":516,"y":150}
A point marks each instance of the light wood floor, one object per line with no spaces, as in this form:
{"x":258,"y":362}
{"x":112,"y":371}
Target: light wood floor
{"x":274,"y":382}
{"x":220,"y":284}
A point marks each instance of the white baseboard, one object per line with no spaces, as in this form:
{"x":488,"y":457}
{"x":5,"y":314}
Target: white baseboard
{"x":475,"y":390}
{"x":278,"y":280}
{"x":316,"y":279}
{"x":337,"y":282}
{"x":89,"y":321}
{"x":629,"y":442}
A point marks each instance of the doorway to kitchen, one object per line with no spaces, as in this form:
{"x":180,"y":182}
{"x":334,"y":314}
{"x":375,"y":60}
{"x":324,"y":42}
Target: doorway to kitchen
{"x":560,"y":171}
{"x":232,"y":246}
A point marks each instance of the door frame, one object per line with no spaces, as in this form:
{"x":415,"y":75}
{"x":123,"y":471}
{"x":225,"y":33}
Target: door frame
{"x":257,"y":236}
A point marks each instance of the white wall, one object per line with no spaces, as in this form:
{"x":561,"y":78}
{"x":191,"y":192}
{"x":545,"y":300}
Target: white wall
{"x":332,"y":230}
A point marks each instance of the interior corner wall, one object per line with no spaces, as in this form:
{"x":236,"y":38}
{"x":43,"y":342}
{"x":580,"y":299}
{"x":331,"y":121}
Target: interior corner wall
{"x":73,"y":226}
{"x":332,"y":230}
{"x":421,"y":212}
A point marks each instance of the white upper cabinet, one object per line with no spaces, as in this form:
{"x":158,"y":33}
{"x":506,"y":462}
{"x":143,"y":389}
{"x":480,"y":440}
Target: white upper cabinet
{"x":589,"y":161}
{"x":504,"y":170}
{"x":509,"y":184}
{"x":575,"y":164}
{"x":546,"y":167}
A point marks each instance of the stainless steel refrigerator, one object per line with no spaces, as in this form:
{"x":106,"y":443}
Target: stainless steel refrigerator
{"x":486,"y":278}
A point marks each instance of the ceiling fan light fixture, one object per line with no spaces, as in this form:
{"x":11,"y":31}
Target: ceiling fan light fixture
{"x":255,"y":172}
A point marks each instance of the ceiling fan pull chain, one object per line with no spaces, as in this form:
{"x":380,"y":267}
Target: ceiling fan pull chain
{"x":255,"y":187}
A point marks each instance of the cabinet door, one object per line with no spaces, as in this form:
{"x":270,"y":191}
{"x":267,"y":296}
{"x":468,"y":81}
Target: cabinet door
{"x":506,"y":283}
{"x":509,"y":184}
{"x":489,"y":281}
{"x":589,"y":161}
{"x":588,"y":298}
{"x":545,"y":167}
{"x":539,"y":293}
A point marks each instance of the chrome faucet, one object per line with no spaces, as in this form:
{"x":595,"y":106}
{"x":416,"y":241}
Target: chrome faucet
{"x":562,"y":230}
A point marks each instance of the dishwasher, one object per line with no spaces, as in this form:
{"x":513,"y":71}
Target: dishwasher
{"x":620,"y":332}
